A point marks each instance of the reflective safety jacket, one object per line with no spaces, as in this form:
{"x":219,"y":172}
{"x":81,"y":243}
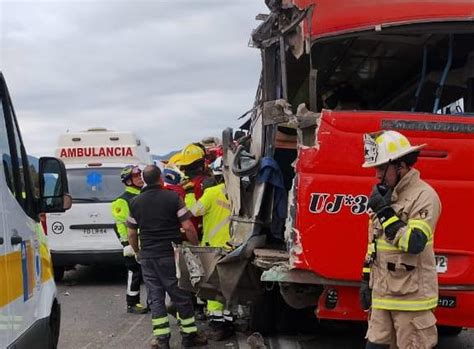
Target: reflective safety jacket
{"x":215,"y":209}
{"x":403,"y":270}
{"x":120,"y":212}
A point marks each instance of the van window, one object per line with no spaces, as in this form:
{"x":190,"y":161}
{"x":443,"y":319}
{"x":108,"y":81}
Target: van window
{"x":95,"y":184}
{"x":5,"y":154}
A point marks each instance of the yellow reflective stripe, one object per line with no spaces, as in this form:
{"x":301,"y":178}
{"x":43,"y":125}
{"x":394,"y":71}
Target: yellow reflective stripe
{"x":390,"y":221}
{"x":189,"y":329}
{"x":132,"y":190}
{"x":422,"y":225}
{"x":404,"y":240}
{"x":414,"y":305}
{"x":383,"y":245}
{"x":161,"y":331}
{"x":198,"y":209}
{"x":188,"y":321}
{"x":159,"y":321}
{"x":366,"y":270}
{"x":371,"y":248}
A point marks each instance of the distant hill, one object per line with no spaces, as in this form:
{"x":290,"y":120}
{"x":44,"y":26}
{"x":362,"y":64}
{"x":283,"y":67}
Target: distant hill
{"x":165,"y":156}
{"x":33,"y":161}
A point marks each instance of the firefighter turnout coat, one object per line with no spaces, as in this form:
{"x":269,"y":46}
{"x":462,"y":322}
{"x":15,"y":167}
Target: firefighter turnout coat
{"x":403,"y":271}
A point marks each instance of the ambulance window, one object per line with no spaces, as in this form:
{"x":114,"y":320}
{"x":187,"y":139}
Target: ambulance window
{"x":94,"y":184}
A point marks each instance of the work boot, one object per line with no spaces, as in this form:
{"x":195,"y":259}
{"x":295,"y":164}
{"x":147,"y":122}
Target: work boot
{"x":194,"y":339}
{"x":160,"y":343}
{"x":137,"y":309}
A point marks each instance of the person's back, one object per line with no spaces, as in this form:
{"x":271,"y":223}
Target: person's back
{"x":156,"y":210}
{"x":159,"y":214}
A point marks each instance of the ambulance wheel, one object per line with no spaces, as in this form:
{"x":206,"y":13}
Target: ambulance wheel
{"x":58,"y":273}
{"x":54,"y":326}
{"x":449,"y":330}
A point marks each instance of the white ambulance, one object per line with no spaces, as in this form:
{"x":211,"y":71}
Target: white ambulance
{"x":29,"y":308}
{"x":93,"y":158}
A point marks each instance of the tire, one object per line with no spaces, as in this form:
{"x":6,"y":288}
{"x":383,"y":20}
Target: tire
{"x":449,"y":330}
{"x":58,"y":273}
{"x":54,"y":326}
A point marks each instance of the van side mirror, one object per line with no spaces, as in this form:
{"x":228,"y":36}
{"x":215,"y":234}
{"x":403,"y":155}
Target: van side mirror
{"x":54,"y":188}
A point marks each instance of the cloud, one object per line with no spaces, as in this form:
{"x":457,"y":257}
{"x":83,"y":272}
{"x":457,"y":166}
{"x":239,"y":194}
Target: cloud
{"x":173,"y":71}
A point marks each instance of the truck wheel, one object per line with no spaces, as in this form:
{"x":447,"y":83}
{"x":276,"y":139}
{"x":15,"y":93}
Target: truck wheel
{"x":54,"y":326}
{"x":449,"y":330}
{"x":58,"y":273}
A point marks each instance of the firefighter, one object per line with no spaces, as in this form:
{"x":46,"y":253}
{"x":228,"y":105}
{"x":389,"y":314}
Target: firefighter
{"x":159,"y":214}
{"x":132,"y":179}
{"x":399,"y":284}
{"x":214,"y":207}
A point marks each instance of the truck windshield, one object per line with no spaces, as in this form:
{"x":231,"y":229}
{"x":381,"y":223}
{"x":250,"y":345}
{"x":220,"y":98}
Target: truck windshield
{"x":94,"y":184}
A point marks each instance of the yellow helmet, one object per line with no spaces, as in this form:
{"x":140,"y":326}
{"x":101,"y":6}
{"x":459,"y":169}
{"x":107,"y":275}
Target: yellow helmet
{"x":175,"y":159}
{"x":385,"y":146}
{"x":190,"y":154}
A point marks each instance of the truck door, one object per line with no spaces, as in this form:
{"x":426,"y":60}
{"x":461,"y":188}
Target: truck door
{"x":19,"y":225}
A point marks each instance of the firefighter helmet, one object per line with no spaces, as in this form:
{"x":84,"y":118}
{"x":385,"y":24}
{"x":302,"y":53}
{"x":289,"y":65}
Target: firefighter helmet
{"x":190,"y":154}
{"x":385,"y":146}
{"x":128,"y":171}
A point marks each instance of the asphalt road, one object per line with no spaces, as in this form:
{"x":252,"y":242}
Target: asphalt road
{"x":94,"y":316}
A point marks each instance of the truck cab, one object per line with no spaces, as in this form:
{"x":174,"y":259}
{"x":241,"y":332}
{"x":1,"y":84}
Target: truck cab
{"x":86,"y":233}
{"x":29,"y":308}
{"x":329,"y":75}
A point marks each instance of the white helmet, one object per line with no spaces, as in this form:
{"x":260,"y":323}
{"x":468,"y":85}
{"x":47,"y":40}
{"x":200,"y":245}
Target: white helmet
{"x":382,"y":147}
{"x":216,"y":166}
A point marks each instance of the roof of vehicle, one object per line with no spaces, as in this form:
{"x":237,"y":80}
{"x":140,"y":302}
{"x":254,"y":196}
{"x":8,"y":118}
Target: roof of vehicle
{"x":354,"y":15}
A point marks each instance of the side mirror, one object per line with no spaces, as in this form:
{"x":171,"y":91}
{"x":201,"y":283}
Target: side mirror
{"x":54,"y":188}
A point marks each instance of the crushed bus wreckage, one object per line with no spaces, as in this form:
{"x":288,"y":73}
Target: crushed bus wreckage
{"x":294,"y":179}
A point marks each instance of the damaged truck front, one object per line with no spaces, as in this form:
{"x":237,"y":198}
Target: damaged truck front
{"x":294,"y":177}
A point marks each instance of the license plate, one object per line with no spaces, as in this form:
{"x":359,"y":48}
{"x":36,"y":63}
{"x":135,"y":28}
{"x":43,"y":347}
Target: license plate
{"x":447,"y":302}
{"x":94,"y":231}
{"x":441,"y":264}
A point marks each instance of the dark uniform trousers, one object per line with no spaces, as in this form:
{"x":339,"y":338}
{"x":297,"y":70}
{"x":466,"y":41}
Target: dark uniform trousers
{"x":159,"y":275}
{"x":134,"y":278}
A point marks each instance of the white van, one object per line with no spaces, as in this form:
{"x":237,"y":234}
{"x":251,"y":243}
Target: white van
{"x":29,"y":309}
{"x":94,"y":158}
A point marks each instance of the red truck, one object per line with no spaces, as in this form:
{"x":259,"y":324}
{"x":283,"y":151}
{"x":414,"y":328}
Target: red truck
{"x":332,"y":71}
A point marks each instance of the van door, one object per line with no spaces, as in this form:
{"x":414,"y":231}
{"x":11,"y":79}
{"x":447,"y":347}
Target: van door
{"x":19,"y":225}
{"x":5,"y":331}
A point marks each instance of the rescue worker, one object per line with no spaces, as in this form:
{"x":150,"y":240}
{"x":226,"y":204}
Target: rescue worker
{"x":399,"y":284}
{"x":214,"y":207}
{"x":132,"y":179}
{"x":159,"y":214}
{"x":192,"y":161}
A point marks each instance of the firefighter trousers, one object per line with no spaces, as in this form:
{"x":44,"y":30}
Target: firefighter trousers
{"x":134,"y":277}
{"x":159,"y":275}
{"x":408,"y":329}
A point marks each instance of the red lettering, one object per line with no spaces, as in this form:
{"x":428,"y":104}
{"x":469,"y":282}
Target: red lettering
{"x":129,"y":152}
{"x":117,"y":152}
{"x":71,"y":153}
{"x":101,"y":152}
{"x":110,"y":151}
{"x":87,"y":152}
{"x":80,"y":152}
{"x":63,"y":153}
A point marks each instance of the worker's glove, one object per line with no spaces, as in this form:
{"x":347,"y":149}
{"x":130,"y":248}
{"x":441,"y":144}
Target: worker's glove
{"x":380,"y":198}
{"x":128,"y":251}
{"x":365,"y":295}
